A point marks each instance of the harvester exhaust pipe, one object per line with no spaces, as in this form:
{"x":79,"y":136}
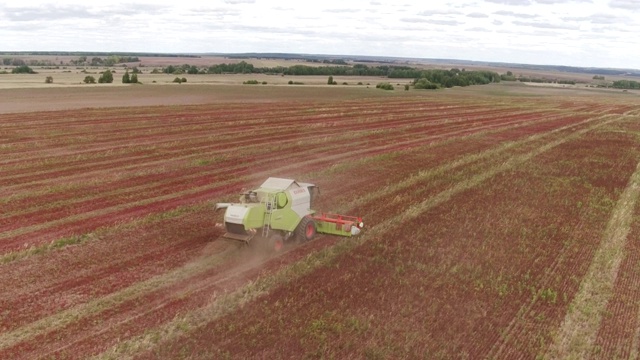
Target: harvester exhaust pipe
{"x":222,"y":206}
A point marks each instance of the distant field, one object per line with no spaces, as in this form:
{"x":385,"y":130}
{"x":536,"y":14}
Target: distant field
{"x":71,"y":75}
{"x":75,"y":79}
{"x":501,"y":221}
{"x":111,"y":95}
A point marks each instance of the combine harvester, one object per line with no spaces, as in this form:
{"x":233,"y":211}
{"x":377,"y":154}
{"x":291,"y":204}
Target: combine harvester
{"x":281,"y":210}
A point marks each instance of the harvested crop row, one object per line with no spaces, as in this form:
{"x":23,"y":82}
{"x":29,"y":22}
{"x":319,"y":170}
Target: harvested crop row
{"x":192,"y":147}
{"x":119,"y":132}
{"x":383,"y":177}
{"x":16,"y":239}
{"x":216,"y":131}
{"x":342,"y":170}
{"x":430,"y":259}
{"x":619,"y":332}
{"x":618,"y":335}
{"x":418,"y":151}
{"x":595,"y":171}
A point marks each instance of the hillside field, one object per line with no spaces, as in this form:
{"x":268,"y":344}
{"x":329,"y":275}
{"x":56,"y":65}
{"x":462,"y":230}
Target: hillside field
{"x":501,"y":222}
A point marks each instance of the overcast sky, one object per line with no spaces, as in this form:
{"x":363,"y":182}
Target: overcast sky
{"x":598,"y":33}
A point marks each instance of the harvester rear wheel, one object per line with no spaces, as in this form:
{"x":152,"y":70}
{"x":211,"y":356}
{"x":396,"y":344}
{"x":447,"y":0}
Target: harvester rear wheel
{"x":306,"y":229}
{"x":275,"y":242}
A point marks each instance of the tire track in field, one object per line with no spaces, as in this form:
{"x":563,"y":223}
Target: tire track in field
{"x":38,"y":327}
{"x":578,"y":331}
{"x":197,"y":289}
{"x":225,"y":253}
{"x":618,"y":333}
{"x":63,"y":318}
{"x":517,"y":328}
{"x":227,"y":303}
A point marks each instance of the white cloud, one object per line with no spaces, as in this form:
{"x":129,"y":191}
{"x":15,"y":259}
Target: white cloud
{"x":511,"y":2}
{"x":565,"y":32}
{"x":551,"y":2}
{"x":625,"y":4}
{"x":477,"y":15}
{"x":545,"y":25}
{"x":516,"y":15}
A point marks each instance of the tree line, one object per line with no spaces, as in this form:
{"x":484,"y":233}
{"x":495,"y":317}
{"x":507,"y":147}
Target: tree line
{"x":108,"y":61}
{"x":626,"y":84}
{"x":82,"y":60}
{"x":433,"y":79}
{"x":446,"y":78}
{"x":245,"y":68}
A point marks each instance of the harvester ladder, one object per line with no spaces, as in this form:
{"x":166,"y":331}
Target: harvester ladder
{"x":270,"y":205}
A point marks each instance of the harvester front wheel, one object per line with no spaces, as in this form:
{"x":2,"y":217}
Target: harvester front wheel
{"x":306,"y":229}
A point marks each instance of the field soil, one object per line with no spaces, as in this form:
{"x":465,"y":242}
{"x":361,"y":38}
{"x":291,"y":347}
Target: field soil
{"x":500,"y":222}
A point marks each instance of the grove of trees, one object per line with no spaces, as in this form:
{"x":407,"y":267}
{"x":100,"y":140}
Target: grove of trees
{"x":130,"y":79}
{"x":384,"y":86}
{"x":433,"y":79}
{"x":106,"y":77}
{"x":626,"y":84}
{"x":108,"y":61}
{"x":23,"y":69}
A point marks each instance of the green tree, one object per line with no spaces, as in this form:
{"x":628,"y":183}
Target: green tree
{"x":330,"y":81}
{"x":134,"y":78}
{"x":106,"y":77}
{"x":23,"y":69}
{"x":112,"y":60}
{"x":626,"y":84}
{"x":96,"y":61}
{"x":384,"y":86}
{"x":424,"y":84}
{"x":507,"y":77}
{"x":89,"y":79}
{"x":48,"y":80}
{"x":125,"y":78}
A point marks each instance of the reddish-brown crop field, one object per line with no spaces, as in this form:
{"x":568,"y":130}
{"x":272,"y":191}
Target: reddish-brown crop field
{"x":498,"y":225}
